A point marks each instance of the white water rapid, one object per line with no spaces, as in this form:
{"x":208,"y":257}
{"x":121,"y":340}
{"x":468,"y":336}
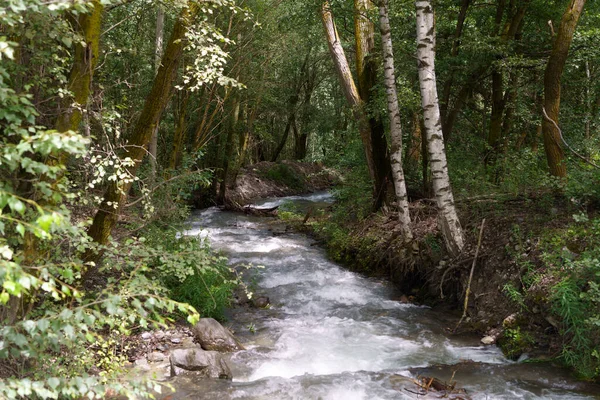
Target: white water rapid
{"x":333,"y":334}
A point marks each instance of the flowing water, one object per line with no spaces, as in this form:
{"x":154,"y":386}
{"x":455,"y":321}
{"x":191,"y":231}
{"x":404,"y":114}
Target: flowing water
{"x":334,"y":334}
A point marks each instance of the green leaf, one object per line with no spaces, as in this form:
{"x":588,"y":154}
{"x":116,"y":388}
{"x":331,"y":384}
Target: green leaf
{"x":53,"y":382}
{"x":67,"y":41}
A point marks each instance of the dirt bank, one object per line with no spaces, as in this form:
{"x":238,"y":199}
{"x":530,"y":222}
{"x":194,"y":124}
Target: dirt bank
{"x":269,"y":179}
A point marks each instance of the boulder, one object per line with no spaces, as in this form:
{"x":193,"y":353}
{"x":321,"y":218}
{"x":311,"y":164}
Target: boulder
{"x":213,"y":336}
{"x":198,"y":362}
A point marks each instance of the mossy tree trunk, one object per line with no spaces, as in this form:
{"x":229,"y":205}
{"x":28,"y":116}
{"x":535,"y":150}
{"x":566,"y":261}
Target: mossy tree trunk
{"x":85,"y":58}
{"x":554,"y":69}
{"x":180,"y":132}
{"x":500,"y":96}
{"x":229,"y":148}
{"x":116,"y":193}
{"x":366,"y":72}
{"x":352,"y":96}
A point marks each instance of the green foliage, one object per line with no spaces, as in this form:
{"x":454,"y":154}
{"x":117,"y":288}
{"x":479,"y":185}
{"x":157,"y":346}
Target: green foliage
{"x":354,"y":194}
{"x":207,"y":290}
{"x":191,"y":272}
{"x":284,"y":174}
{"x":572,"y":257}
{"x":514,"y":295}
{"x":515,"y":342}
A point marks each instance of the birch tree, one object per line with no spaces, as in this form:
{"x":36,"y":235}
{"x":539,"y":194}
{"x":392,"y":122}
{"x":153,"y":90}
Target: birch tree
{"x":447,"y":216}
{"x":395,"y":122}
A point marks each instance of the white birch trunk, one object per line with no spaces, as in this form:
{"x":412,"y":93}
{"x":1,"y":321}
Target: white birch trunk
{"x":158,"y":50}
{"x":448,"y":219}
{"x":395,"y":123}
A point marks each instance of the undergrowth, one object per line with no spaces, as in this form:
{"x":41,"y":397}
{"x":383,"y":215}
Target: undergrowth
{"x":286,"y":175}
{"x":192,"y":272}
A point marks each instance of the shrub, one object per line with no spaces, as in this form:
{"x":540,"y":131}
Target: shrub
{"x":285,"y":175}
{"x":573,"y":257}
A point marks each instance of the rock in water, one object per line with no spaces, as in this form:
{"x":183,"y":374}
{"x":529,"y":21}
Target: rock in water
{"x":488,"y":340}
{"x":195,"y":361}
{"x":261,"y":302}
{"x":213,"y":336}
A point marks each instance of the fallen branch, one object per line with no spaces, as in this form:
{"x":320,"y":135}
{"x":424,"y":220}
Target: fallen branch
{"x":260,"y":211}
{"x":471,"y":275}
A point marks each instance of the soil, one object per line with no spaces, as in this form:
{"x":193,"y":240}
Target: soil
{"x":265,"y":180}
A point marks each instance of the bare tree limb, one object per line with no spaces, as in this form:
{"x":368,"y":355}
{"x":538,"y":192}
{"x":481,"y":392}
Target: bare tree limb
{"x":547,"y":118}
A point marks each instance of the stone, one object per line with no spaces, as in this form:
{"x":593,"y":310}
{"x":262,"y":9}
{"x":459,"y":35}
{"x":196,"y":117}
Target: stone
{"x":162,"y":347}
{"x":241,"y":296}
{"x":198,"y":362}
{"x":142,"y":364}
{"x":175,"y":340}
{"x":146,"y":336}
{"x":510,"y":321}
{"x":261,"y":302}
{"x":159,"y":335}
{"x":156,"y":356}
{"x":213,"y":336}
{"x":488,"y":340}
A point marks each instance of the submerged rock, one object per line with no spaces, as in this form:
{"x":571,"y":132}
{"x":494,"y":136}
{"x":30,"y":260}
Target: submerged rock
{"x":261,"y":302}
{"x":208,"y":364}
{"x":213,"y":336}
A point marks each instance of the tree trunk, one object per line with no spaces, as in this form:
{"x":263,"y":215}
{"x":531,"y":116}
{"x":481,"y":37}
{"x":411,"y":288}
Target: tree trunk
{"x":556,"y":63}
{"x":348,"y":86}
{"x":300,"y":144}
{"x":352,"y":96}
{"x":395,"y":123}
{"x":286,"y":133}
{"x":588,"y":101}
{"x":366,"y":71}
{"x":180,"y":133}
{"x":116,"y":193}
{"x":460,"y":23}
{"x":500,"y":99}
{"x":413,"y":151}
{"x":495,"y":131}
{"x":85,"y":60}
{"x":229,"y":146}
{"x":448,"y":218}
{"x":158,"y":49}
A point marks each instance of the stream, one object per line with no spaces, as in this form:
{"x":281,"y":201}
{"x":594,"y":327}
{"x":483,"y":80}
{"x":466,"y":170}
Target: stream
{"x":334,"y":334}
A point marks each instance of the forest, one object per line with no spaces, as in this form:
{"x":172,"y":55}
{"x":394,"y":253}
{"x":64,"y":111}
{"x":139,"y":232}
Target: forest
{"x":464,"y":137}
